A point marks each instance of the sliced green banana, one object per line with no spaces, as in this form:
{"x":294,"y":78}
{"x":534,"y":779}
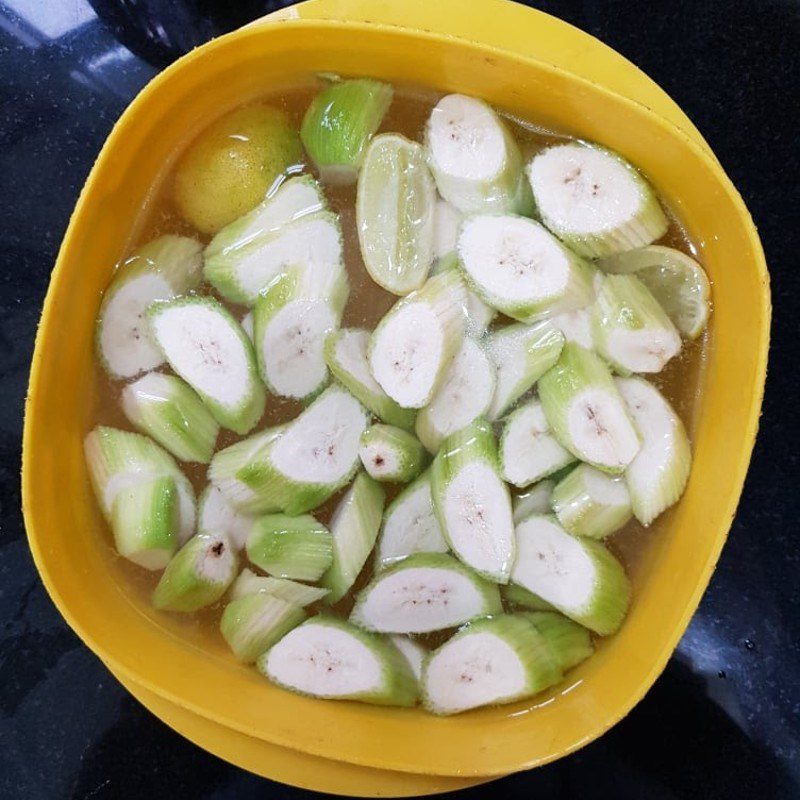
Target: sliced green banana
{"x":298,"y":468}
{"x":164,"y":268}
{"x":521,"y":355}
{"x":528,"y":449}
{"x":516,"y":266}
{"x":657,"y":477}
{"x":339,"y":124}
{"x":232,"y":164}
{"x":242,"y":271}
{"x":413,"y":652}
{"x":332,"y":659}
{"x":290,"y":201}
{"x":395,"y":213}
{"x":346,"y":357}
{"x":518,"y":597}
{"x":198,"y":574}
{"x":392,"y":455}
{"x":298,"y":594}
{"x":354,"y":526}
{"x":586,"y":412}
{"x":243,"y":474}
{"x":290,"y":547}
{"x":488,"y":662}
{"x":594,"y":200}
{"x":578,"y":576}
{"x":119,"y":459}
{"x":569,"y":642}
{"x":216,"y":515}
{"x":533,"y":500}
{"x":169,"y":410}
{"x":410,"y":525}
{"x":676,"y":280}
{"x":591,"y":503}
{"x":479,"y":314}
{"x":465,"y":394}
{"x":414,"y":344}
{"x":425,"y":592}
{"x":474,"y":158}
{"x":293,"y":318}
{"x":207,"y":347}
{"x":253,"y":623}
{"x":472,"y":502}
{"x":144,"y":521}
{"x":629,"y":327}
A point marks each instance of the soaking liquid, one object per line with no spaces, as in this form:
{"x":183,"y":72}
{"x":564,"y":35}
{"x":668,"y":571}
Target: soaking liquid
{"x":368,"y":303}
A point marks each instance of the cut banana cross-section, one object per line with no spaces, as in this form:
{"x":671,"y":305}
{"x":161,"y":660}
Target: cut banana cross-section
{"x":293,"y":318}
{"x":354,"y":526}
{"x":464,"y":395}
{"x":576,"y":326}
{"x":489,"y":662}
{"x":521,"y":354}
{"x":657,"y":477}
{"x":472,"y":502}
{"x":164,"y":268}
{"x":330,"y":658}
{"x":593,"y":200}
{"x":629,"y":327}
{"x":414,"y":344}
{"x":474,"y":158}
{"x":516,"y":266}
{"x":290,"y":547}
{"x":119,"y":459}
{"x":253,"y":623}
{"x":391,"y":454}
{"x":395,"y":213}
{"x":241,"y":273}
{"x":346,"y":357}
{"x":216,"y":515}
{"x":315,"y":455}
{"x":590,"y":503}
{"x":423,"y":593}
{"x":528,"y":449}
{"x":586,"y":412}
{"x":170,"y":411}
{"x":207,"y":347}
{"x":299,"y":594}
{"x":578,"y":576}
{"x":198,"y":574}
{"x":410,"y":525}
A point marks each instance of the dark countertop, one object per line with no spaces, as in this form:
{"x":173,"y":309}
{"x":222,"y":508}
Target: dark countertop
{"x":723,"y":721}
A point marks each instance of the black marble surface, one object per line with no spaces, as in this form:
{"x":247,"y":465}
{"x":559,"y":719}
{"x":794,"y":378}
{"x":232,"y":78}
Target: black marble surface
{"x":724,"y":719}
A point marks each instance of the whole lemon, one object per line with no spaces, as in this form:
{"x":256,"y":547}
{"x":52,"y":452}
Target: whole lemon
{"x":228,"y":168}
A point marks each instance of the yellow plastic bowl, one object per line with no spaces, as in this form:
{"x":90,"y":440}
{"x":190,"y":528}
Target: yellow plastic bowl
{"x":162,"y":654}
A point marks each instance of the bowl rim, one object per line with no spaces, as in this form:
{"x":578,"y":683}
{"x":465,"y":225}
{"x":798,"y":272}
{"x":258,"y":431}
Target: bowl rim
{"x":738,"y":471}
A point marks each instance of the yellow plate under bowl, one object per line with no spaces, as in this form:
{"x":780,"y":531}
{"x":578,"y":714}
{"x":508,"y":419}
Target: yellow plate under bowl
{"x":160,"y":653}
{"x":291,"y":766}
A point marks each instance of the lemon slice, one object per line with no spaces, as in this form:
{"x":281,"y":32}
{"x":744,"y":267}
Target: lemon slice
{"x":676,"y":280}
